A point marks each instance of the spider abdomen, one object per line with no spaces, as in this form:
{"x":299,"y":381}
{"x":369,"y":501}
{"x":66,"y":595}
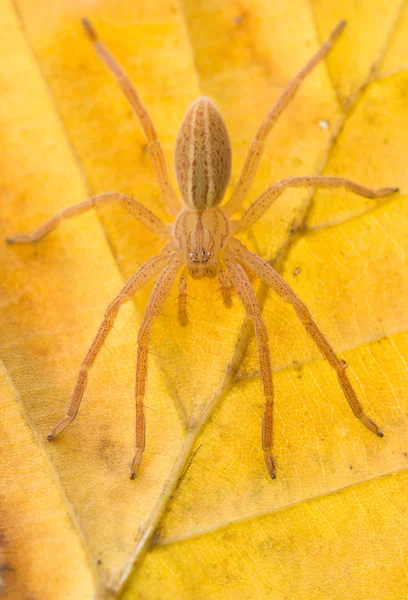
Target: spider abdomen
{"x":202,"y":156}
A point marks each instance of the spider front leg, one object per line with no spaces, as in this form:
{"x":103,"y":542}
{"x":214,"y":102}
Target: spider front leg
{"x":154,"y":306}
{"x":140,"y":212}
{"x":154,"y":147}
{"x":241,"y":283}
{"x":133,"y":285}
{"x":257,"y":147}
{"x":267,"y":274}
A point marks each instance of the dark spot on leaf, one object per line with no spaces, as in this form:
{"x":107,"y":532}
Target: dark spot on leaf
{"x":5,"y":567}
{"x":156,"y":537}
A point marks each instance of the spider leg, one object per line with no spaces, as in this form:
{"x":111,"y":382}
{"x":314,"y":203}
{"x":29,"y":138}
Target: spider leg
{"x":226,"y":288}
{"x":257,"y":147}
{"x":241,"y":283}
{"x":264,"y":201}
{"x":140,"y":212}
{"x":154,"y":306}
{"x":133,"y":285}
{"x":182,"y":298}
{"x":154,"y":147}
{"x":266,"y":273}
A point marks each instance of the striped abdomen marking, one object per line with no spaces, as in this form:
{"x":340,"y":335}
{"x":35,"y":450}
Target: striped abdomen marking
{"x":202,"y":156}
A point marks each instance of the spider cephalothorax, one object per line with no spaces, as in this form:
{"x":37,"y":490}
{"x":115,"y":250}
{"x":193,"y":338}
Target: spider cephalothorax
{"x":201,"y":240}
{"x":201,"y":235}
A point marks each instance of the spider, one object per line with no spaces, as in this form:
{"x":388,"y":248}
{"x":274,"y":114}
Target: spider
{"x":201,"y":241}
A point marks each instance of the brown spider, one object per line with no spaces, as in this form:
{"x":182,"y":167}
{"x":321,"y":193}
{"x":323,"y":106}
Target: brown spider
{"x":202,"y":241}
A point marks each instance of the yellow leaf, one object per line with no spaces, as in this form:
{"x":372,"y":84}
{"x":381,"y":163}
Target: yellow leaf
{"x":34,"y":517}
{"x":203,"y":519}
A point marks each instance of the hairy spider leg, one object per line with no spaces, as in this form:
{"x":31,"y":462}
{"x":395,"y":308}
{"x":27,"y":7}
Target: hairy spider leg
{"x":268,"y":275}
{"x":241,"y":283}
{"x":140,"y":212}
{"x":154,"y":147}
{"x":145,"y":274}
{"x":257,"y":146}
{"x":264,"y":201}
{"x":154,"y":306}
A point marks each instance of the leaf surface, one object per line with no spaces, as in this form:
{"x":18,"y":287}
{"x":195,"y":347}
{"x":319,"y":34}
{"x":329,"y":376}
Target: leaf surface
{"x":203,"y":519}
